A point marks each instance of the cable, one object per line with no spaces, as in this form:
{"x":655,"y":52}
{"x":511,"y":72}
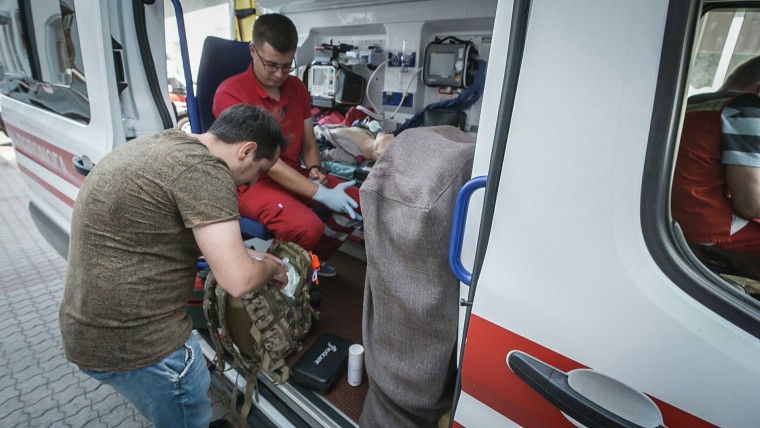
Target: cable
{"x":406,"y":92}
{"x":378,"y":114}
{"x":370,"y":113}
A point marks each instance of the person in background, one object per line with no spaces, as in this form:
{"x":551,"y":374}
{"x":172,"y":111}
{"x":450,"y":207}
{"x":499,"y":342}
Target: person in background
{"x":716,"y":184}
{"x":282,"y":198}
{"x":142,"y":218}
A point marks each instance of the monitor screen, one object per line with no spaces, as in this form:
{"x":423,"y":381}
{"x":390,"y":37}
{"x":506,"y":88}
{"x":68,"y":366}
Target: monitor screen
{"x":441,"y":64}
{"x":319,"y":77}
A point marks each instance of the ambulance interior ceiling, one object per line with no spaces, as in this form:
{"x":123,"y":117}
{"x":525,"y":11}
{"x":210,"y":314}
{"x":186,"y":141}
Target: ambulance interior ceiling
{"x":395,"y":27}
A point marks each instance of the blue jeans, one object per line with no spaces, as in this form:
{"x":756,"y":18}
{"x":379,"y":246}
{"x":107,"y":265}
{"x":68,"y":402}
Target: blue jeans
{"x":171,"y":393}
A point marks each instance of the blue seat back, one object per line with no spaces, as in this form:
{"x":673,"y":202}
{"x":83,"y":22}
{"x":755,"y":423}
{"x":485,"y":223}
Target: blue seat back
{"x":220,"y":59}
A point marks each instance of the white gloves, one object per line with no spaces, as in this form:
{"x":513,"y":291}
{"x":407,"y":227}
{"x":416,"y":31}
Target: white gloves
{"x":337,"y":200}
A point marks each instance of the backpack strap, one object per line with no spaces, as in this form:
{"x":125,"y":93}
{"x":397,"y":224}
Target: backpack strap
{"x":247,"y":403}
{"x":210,"y":309}
{"x":215,"y":307}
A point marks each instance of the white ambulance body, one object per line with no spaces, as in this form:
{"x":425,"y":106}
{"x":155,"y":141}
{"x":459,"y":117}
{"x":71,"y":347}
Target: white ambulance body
{"x":584,"y":304}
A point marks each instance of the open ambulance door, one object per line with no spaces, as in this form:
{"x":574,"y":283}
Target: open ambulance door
{"x":583,"y":308}
{"x":75,"y":74}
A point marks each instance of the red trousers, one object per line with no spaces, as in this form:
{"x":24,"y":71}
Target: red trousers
{"x":746,"y":240}
{"x":290,"y":217}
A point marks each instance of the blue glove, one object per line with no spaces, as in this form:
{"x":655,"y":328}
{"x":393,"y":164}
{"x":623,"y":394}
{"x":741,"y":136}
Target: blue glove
{"x":337,"y":200}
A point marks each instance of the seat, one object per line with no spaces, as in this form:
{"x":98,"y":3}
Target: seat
{"x":220,"y":59}
{"x":251,"y":228}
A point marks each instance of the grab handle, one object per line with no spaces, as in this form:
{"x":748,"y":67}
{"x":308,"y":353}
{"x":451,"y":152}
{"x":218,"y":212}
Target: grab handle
{"x":457,"y":228}
{"x":585,"y":396}
{"x":82,"y":164}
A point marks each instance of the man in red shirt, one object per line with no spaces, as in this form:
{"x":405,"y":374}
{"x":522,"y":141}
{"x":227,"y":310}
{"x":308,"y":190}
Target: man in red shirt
{"x":716,"y":184}
{"x":281,"y":198}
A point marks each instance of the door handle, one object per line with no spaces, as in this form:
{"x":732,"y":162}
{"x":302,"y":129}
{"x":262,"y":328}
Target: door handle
{"x":82,"y":164}
{"x":457,"y":228}
{"x":585,"y":397}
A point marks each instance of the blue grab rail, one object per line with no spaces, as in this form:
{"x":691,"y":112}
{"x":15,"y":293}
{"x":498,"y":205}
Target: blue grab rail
{"x":457,"y":228}
{"x":192,"y":107}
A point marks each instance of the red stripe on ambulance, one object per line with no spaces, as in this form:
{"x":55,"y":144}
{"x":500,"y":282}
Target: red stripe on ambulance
{"x":53,"y":158}
{"x":57,"y":193}
{"x":486,"y":377}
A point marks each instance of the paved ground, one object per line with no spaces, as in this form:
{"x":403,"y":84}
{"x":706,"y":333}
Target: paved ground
{"x":38,"y":387}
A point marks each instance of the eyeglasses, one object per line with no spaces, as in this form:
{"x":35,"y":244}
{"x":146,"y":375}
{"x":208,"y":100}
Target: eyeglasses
{"x":272,"y":67}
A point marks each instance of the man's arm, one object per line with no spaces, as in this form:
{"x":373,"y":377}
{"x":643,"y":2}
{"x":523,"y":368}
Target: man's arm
{"x":739,"y":143}
{"x":310,"y":152}
{"x":744,"y":185}
{"x":335,"y":199}
{"x":233,"y":267}
{"x":292,"y":180}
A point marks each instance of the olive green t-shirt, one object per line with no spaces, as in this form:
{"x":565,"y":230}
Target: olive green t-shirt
{"x":132,"y":253}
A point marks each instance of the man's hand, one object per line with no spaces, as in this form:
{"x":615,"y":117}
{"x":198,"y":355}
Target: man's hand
{"x":337,"y":200}
{"x":317,"y":176}
{"x":259,"y":256}
{"x":237,"y":270}
{"x":280,"y":272}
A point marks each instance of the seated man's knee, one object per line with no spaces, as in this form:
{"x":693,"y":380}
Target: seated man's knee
{"x":307,"y":232}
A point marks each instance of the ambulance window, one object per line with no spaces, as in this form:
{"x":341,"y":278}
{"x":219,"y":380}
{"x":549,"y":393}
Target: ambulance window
{"x":713,"y":251}
{"x":726,"y":39}
{"x":41,"y":59}
{"x":14,"y":63}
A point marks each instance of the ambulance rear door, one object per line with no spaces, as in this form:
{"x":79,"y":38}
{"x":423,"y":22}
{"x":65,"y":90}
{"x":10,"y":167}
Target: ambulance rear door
{"x":584,"y":304}
{"x":73,"y":80}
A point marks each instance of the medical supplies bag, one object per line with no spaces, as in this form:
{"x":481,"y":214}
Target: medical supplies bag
{"x":260,"y":329}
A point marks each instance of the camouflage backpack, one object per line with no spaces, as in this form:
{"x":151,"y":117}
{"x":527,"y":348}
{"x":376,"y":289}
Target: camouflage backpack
{"x":262,"y":328}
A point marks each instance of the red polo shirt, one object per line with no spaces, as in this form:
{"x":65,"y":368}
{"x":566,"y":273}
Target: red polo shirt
{"x":292,"y":109}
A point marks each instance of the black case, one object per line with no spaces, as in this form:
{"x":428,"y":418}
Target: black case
{"x":322,"y":364}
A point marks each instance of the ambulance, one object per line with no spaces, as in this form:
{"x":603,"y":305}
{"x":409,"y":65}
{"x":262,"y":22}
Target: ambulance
{"x":581,"y":304}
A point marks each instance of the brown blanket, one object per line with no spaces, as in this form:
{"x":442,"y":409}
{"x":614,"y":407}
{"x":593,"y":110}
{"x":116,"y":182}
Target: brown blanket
{"x":411,"y":296}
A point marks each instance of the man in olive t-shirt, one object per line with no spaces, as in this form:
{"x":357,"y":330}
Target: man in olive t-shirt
{"x":142,"y":218}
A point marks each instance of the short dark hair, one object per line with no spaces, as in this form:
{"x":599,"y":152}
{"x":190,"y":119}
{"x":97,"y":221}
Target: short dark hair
{"x":246,"y":122}
{"x":744,"y":76}
{"x":277,"y":30}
